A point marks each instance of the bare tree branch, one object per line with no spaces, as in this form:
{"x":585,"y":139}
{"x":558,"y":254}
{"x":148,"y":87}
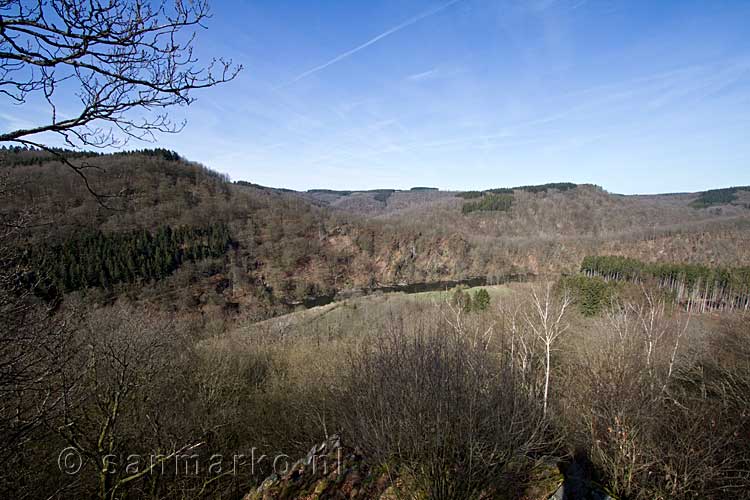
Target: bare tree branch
{"x":116,"y":56}
{"x":78,"y":169}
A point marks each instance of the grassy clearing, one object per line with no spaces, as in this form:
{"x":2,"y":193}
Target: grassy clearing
{"x":335,"y":312}
{"x":496,"y":292}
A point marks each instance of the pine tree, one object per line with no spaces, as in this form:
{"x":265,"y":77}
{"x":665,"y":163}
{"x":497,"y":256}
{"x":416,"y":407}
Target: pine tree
{"x":481,"y":300}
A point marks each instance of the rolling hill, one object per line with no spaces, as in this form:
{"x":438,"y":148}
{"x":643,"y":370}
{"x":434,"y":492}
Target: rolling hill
{"x":285,"y":246}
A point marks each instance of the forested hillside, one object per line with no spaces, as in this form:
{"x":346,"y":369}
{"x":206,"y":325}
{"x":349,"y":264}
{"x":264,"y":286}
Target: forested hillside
{"x":170,"y":231}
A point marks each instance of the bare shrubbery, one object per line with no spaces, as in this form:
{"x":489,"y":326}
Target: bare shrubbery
{"x":640,"y":406}
{"x":452,"y":403}
{"x":712,"y":396}
{"x":449,"y":411}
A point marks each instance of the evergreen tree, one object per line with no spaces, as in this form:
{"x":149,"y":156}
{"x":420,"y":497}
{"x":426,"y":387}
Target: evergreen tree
{"x":97,"y":259}
{"x":481,"y":300}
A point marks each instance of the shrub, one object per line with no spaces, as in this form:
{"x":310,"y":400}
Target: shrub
{"x":461,"y":299}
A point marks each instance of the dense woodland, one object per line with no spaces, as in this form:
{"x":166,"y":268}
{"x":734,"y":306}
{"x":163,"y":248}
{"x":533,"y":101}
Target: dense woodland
{"x":96,"y":259}
{"x":698,"y":286}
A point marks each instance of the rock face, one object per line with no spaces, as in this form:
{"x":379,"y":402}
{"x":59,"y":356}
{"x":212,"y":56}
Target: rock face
{"x":544,"y":481}
{"x":329,"y":471}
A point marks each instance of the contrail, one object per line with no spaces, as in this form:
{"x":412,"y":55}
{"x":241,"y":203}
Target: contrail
{"x":389,"y":32}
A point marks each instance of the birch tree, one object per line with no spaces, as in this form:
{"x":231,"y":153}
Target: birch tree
{"x":547,"y":322}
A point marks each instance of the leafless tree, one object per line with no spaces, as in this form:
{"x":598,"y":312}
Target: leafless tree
{"x":115,"y":56}
{"x":125,"y":362}
{"x":29,"y":339}
{"x":547,"y":323}
{"x":523,"y":345}
{"x":649,"y":321}
{"x":455,"y":315}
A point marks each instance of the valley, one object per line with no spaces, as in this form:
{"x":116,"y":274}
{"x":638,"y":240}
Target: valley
{"x":287,"y":247}
{"x":385,"y":250}
{"x":250,"y":317}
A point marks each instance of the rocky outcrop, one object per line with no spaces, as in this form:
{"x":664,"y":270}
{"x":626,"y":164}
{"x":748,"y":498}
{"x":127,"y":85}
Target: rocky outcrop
{"x":330,"y":471}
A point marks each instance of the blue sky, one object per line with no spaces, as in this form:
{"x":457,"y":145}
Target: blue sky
{"x":636,"y":96}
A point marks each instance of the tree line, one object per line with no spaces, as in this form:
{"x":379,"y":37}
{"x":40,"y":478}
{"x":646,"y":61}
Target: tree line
{"x":501,"y":199}
{"x":470,"y":195}
{"x":30,"y":155}
{"x":536,"y":188}
{"x":97,"y":259}
{"x":697,"y":286}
